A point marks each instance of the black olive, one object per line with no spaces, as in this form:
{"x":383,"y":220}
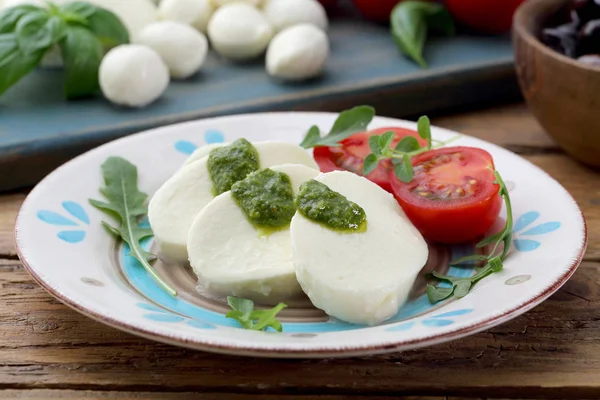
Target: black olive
{"x":586,"y":10}
{"x":562,"y":38}
{"x":589,"y":38}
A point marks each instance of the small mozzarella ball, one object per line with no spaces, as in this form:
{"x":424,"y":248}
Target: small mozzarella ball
{"x":14,"y":3}
{"x":182,"y":48}
{"x":219,"y":3}
{"x":133,"y":75}
{"x":192,"y":12}
{"x":299,"y":52}
{"x":239,"y":31}
{"x":285,"y":13}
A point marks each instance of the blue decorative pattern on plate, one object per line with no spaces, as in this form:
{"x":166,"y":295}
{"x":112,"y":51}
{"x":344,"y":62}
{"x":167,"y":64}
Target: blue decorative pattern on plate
{"x":549,"y":241}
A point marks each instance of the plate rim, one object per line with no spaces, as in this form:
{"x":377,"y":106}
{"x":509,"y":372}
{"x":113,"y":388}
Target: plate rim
{"x":283,"y":352}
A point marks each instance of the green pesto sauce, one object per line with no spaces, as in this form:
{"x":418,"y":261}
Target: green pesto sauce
{"x":329,"y":208}
{"x":267,"y":199}
{"x":231,"y":163}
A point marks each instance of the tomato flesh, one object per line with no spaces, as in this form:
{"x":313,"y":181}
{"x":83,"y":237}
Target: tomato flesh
{"x":351,"y":153}
{"x":452,"y":197}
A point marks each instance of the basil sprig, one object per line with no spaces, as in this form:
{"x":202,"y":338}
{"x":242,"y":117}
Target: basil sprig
{"x":82,"y":31}
{"x":410,"y":21}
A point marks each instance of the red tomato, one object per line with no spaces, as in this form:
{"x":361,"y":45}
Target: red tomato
{"x":376,"y":10}
{"x":353,"y":150}
{"x":452,"y":197}
{"x":489,"y":16}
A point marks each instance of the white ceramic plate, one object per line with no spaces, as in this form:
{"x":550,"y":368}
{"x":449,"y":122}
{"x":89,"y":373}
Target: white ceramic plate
{"x":62,"y":244}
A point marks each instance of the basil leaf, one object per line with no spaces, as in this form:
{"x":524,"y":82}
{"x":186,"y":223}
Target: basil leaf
{"x":348,"y":123}
{"x":39,"y":31}
{"x":409,"y":21}
{"x":14,"y":64}
{"x":370,"y":164}
{"x":351,"y":121}
{"x":10,"y":16}
{"x":424,"y":129}
{"x":82,"y":54}
{"x":312,"y":138}
{"x":81,"y":8}
{"x":374,"y":145}
{"x":108,"y":28}
{"x":404,"y":170}
{"x":407,"y":144}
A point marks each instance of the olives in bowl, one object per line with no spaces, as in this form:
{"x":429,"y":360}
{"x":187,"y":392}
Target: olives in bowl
{"x":557,"y":66}
{"x":575,"y":31}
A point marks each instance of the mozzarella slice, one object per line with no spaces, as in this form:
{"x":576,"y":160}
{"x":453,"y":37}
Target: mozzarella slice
{"x":362,"y":278}
{"x":177,"y":202}
{"x":202,"y":152}
{"x":231,"y":257}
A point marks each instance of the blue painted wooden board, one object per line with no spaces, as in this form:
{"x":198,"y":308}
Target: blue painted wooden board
{"x":39,"y":130}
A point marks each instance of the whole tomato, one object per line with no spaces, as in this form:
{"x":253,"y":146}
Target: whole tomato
{"x":486,"y":16}
{"x":376,"y":10}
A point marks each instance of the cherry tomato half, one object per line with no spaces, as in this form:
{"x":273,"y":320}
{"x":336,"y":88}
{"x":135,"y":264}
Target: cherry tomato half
{"x":351,"y":153}
{"x":452,"y":197}
{"x":487,"y":16}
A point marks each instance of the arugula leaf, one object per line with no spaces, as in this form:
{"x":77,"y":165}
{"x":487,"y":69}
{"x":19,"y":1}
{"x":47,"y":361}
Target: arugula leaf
{"x":243,"y":311}
{"x":127,"y":204}
{"x":82,"y":54}
{"x":14,"y":65}
{"x":348,"y":123}
{"x":462,"y":286}
{"x":409,"y":23}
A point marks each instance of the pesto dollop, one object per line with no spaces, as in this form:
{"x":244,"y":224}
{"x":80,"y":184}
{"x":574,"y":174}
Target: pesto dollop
{"x":329,"y":208}
{"x":231,"y":163}
{"x":266,"y":197}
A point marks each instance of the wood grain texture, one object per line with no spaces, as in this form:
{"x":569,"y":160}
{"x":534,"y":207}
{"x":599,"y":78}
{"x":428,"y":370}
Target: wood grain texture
{"x":49,"y":351}
{"x":551,"y":351}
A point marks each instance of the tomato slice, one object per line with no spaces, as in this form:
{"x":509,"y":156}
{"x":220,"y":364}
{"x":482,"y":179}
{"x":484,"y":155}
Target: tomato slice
{"x":452,"y":197}
{"x":351,"y":153}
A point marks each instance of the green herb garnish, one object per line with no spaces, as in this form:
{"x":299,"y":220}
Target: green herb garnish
{"x":81,"y":30}
{"x":493,"y":262}
{"x":401,"y":155}
{"x":348,"y":123}
{"x":127,"y":204}
{"x":258,"y":320}
{"x":409,"y":22}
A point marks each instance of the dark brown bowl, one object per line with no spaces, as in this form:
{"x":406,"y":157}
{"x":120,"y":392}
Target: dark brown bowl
{"x":562,"y":93}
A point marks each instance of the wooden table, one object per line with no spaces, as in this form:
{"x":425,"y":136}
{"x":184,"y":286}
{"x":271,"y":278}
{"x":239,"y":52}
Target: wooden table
{"x":49,"y":351}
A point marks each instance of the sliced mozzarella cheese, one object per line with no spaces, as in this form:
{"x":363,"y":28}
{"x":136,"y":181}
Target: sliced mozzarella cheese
{"x":231,"y":257}
{"x":362,"y":278}
{"x":177,"y":202}
{"x":202,"y":152}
